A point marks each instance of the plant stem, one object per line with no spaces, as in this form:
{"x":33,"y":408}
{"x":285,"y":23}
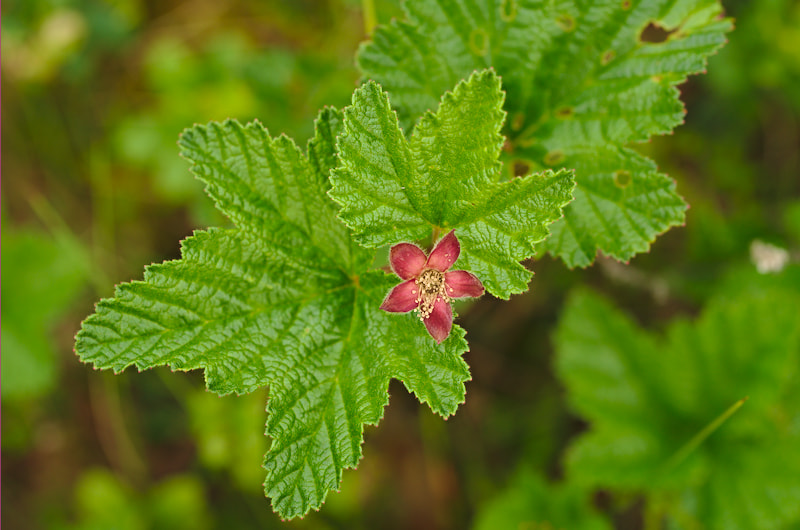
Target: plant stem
{"x":112,"y":431}
{"x":103,"y":218}
{"x":368,"y":7}
{"x":64,"y":235}
{"x":701,"y":436}
{"x":435,"y":235}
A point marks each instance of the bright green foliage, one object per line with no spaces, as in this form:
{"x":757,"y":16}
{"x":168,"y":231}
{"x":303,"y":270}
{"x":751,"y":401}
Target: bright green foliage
{"x":105,"y":501}
{"x":621,"y":204}
{"x":581,"y":83}
{"x":225,"y":75}
{"x":446,"y":176}
{"x":227,"y":431}
{"x":652,"y":404}
{"x":41,"y":278}
{"x":530,"y":502}
{"x":283,"y":300}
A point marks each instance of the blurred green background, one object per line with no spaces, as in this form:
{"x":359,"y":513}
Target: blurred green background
{"x":94,"y":95}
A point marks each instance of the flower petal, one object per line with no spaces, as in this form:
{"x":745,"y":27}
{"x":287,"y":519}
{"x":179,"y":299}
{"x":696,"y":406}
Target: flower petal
{"x":460,"y":284}
{"x":440,"y":320}
{"x":402,"y":298}
{"x":407,"y":260}
{"x":445,"y":253}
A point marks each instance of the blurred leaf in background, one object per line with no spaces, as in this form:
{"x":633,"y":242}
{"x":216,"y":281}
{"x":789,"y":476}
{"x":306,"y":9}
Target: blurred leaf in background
{"x":105,"y":502}
{"x":216,"y":81}
{"x":41,"y":277}
{"x":530,"y":503}
{"x":229,"y":434}
{"x":767,"y":40}
{"x":653,"y":405}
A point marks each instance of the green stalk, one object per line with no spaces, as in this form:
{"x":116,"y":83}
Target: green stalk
{"x":63,"y":234}
{"x":368,"y":7}
{"x":112,"y":430}
{"x":436,"y":232}
{"x":701,"y":436}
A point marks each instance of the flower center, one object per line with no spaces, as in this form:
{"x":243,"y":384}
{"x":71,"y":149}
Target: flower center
{"x":431,"y":288}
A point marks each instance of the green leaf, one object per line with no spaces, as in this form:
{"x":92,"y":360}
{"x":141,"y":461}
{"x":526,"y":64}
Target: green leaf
{"x":657,"y":406}
{"x":581,"y":83}
{"x":530,"y":502}
{"x":41,"y":278}
{"x":283,"y":300}
{"x":447,"y":176}
{"x":625,"y":202}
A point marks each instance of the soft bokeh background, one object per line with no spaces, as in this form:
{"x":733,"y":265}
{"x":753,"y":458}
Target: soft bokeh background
{"x":94,"y":95}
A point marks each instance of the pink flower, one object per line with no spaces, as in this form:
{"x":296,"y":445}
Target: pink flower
{"x":429,"y":285}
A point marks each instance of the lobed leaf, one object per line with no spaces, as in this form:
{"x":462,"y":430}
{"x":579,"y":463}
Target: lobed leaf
{"x":582,"y":81}
{"x":446,"y":176}
{"x":626,"y":204}
{"x":647,"y":398}
{"x":283,"y":300}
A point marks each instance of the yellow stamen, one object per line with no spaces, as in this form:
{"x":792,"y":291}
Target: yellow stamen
{"x":432,"y":288}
